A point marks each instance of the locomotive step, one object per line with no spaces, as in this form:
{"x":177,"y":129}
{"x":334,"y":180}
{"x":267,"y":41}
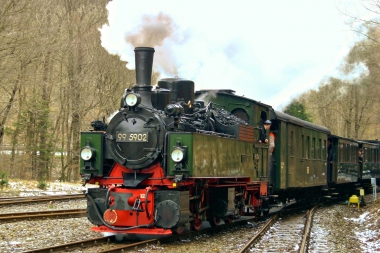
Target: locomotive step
{"x":277,"y":205}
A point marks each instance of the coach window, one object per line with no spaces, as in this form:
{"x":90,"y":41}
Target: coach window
{"x":365,"y":154}
{"x":307,"y":152}
{"x":319,"y":148}
{"x":324,"y":149}
{"x":263,"y":116}
{"x":242,"y":114}
{"x":291,"y":144}
{"x":341,"y":152}
{"x":303,"y":146}
{"x":349,"y":152}
{"x":369,"y":155}
{"x":313,"y":153}
{"x":373,"y":155}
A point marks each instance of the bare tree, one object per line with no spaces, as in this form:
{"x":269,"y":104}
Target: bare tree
{"x":55,"y":79}
{"x":12,"y":64}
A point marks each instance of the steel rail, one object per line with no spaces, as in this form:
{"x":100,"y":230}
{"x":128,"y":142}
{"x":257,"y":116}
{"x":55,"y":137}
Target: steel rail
{"x":262,"y":231}
{"x":24,"y":200}
{"x":74,"y":245}
{"x":42,"y":215}
{"x":306,"y":235}
{"x":131,"y":246}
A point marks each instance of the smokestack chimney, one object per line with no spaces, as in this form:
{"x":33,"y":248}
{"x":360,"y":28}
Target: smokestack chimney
{"x":144,"y":65}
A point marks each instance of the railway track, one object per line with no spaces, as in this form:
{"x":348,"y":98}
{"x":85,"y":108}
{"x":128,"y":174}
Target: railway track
{"x":279,"y":234}
{"x":297,"y":243}
{"x":75,"y":245}
{"x":100,"y":245}
{"x":287,"y":234}
{"x":36,"y":199}
{"x":41,"y":215}
{"x":107,"y":244}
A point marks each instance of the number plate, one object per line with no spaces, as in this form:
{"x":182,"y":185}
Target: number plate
{"x":131,"y":137}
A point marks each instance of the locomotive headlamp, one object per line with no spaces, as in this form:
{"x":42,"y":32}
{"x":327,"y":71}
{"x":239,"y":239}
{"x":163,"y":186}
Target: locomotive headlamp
{"x":177,"y":155}
{"x":87,"y":153}
{"x":132,"y":99}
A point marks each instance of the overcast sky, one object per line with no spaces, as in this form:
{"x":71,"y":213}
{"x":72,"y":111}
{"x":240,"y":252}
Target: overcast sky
{"x":266,"y":50}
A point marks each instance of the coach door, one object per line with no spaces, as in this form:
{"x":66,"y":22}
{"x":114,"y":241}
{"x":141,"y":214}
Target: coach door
{"x":293,"y":156}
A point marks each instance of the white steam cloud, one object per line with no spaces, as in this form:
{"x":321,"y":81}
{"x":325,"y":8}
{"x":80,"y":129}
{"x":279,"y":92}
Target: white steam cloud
{"x":181,"y":49}
{"x":264,"y":50}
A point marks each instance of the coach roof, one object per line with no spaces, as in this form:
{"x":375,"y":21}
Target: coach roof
{"x":291,"y":119}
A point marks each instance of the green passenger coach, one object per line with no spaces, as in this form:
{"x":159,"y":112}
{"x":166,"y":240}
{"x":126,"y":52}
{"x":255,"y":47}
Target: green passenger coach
{"x":345,"y":165}
{"x":300,"y":152}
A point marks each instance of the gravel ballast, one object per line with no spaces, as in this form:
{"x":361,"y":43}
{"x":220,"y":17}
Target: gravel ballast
{"x":338,"y":228}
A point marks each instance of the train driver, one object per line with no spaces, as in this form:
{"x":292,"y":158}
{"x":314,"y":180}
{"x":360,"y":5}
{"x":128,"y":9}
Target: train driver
{"x":263,"y":131}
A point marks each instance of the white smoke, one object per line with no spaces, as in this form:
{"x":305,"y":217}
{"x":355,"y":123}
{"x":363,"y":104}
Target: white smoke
{"x":263,"y":50}
{"x":181,"y":50}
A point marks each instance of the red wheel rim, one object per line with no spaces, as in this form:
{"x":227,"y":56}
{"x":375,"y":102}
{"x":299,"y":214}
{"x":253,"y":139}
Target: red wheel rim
{"x":196,"y":224}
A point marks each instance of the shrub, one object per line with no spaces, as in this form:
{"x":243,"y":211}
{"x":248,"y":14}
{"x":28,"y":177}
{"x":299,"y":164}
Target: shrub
{"x":42,"y":184}
{"x":3,"y":179}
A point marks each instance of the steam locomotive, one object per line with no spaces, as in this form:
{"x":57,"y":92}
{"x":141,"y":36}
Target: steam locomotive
{"x":172,"y":158}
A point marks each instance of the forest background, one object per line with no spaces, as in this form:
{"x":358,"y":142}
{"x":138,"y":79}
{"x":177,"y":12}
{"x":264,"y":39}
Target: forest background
{"x":55,"y":78}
